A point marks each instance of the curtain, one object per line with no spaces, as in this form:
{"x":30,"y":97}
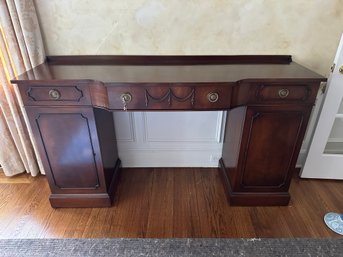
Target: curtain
{"x":21,"y":48}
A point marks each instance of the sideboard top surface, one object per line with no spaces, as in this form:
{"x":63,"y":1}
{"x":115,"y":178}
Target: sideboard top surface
{"x":167,"y":69}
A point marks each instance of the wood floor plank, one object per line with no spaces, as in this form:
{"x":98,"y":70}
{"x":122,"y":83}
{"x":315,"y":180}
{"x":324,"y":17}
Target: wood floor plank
{"x":23,"y":178}
{"x":133,"y":211}
{"x":186,"y":219}
{"x":269,"y":222}
{"x":161,"y":211}
{"x":310,"y":208}
{"x":212,"y":206}
{"x":167,"y":202}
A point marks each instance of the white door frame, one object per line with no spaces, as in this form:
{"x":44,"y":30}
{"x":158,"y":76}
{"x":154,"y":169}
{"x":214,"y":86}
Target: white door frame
{"x":319,"y":164}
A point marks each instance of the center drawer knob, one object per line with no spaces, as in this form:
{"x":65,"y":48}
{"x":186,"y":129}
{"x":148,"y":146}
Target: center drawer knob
{"x":212,"y":97}
{"x":125,"y":98}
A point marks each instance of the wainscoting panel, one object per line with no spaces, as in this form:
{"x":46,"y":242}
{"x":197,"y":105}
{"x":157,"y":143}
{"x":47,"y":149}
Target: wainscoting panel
{"x":125,"y":126}
{"x":170,"y":139}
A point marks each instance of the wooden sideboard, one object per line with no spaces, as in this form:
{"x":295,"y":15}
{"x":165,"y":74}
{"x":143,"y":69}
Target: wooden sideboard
{"x":69,"y":99}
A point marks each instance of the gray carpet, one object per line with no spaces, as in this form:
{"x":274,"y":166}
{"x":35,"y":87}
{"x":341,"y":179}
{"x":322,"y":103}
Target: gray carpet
{"x":172,"y":247}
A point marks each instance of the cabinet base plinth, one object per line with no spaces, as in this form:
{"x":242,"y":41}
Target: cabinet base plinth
{"x":96,"y":200}
{"x":251,"y":198}
{"x":80,"y":200}
{"x":258,"y":199}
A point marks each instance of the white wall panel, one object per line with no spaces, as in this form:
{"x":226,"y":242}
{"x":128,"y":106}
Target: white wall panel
{"x":124,"y":126}
{"x":182,"y":126}
{"x":169,"y":139}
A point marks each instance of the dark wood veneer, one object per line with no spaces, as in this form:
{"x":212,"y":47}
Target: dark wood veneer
{"x":269,"y":100}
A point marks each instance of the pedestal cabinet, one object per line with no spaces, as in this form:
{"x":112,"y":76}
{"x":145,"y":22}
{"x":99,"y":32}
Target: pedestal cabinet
{"x":263,"y":139}
{"x":80,"y":155}
{"x":271,"y":138}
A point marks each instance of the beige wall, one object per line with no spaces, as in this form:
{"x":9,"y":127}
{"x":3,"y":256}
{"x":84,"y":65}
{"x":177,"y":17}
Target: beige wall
{"x":307,"y":29}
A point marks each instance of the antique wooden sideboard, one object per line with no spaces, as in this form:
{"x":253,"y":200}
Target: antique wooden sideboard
{"x":69,"y":99}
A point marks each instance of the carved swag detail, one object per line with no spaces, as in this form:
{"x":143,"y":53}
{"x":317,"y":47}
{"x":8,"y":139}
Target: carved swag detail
{"x":169,"y":96}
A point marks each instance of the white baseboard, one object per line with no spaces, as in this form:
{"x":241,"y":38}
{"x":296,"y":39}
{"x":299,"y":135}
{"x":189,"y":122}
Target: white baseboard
{"x":169,"y":158}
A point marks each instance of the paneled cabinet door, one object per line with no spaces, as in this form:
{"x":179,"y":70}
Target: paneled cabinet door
{"x":68,"y":143}
{"x":270,"y":146}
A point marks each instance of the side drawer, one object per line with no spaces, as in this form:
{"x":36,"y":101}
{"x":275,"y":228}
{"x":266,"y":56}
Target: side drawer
{"x":280,"y":92}
{"x":55,"y":94}
{"x":170,"y":96}
{"x":275,"y":93}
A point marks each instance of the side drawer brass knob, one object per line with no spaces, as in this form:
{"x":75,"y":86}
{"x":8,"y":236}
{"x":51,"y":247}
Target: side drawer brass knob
{"x":54,"y":94}
{"x":212,"y":97}
{"x":283,"y":93}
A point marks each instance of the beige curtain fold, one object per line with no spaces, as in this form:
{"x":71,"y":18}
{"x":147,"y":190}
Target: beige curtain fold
{"x":21,"y":48}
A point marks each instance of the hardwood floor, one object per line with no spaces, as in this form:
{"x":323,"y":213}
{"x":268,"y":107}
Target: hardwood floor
{"x":166,"y":202}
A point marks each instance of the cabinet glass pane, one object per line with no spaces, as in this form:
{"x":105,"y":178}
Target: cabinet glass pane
{"x":334,"y":148}
{"x":335,"y":141}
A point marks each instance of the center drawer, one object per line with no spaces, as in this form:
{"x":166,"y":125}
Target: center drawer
{"x":169,"y":96}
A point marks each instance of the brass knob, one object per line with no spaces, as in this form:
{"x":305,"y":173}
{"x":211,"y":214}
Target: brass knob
{"x":283,"y":93}
{"x":125,"y":98}
{"x":212,"y":97}
{"x":54,"y":94}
